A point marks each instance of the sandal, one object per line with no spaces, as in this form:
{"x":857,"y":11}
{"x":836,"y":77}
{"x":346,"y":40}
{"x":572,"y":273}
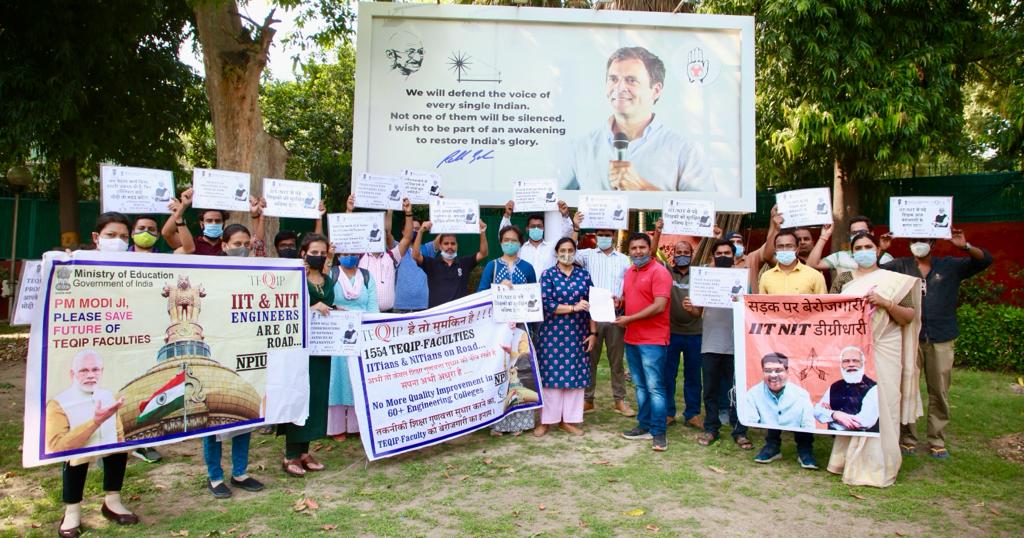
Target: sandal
{"x":939,"y":453}
{"x":744,"y":443}
{"x":310,"y":464}
{"x":907,"y":449}
{"x":293,"y":468}
{"x":705,"y":439}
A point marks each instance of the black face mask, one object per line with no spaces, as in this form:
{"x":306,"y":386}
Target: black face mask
{"x":723,"y":261}
{"x":316,"y":262}
{"x":288,"y":252}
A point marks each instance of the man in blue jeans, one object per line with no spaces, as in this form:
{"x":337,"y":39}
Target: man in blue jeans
{"x":685,"y":340}
{"x":646,"y":292}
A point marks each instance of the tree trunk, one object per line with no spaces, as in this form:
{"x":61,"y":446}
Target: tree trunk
{"x":233,"y":60}
{"x":845,"y":202}
{"x":68,"y":190}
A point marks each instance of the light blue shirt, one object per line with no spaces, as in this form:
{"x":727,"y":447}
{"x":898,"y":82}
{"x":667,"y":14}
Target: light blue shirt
{"x":661,"y":156}
{"x":790,"y":409}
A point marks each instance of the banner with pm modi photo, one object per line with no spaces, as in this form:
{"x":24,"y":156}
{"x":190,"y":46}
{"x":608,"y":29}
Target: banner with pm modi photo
{"x":132,"y":349}
{"x":806,"y":363}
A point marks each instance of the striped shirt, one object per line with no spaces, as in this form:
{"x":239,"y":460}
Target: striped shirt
{"x":382,"y":268}
{"x":606,"y":270}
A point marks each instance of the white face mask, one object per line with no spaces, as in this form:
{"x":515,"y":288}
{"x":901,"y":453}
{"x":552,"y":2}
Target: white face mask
{"x":920,"y":249}
{"x":111,"y":244}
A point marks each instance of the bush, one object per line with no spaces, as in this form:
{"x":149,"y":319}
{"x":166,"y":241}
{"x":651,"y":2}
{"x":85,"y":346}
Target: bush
{"x":990,"y":338}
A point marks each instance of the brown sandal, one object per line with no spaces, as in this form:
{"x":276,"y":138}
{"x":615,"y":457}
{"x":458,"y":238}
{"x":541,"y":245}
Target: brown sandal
{"x":706,"y":439}
{"x":310,"y":464}
{"x":293,"y":468}
{"x":744,"y":443}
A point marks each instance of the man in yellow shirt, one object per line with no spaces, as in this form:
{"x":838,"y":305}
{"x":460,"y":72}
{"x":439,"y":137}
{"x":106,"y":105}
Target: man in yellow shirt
{"x":789,"y":277}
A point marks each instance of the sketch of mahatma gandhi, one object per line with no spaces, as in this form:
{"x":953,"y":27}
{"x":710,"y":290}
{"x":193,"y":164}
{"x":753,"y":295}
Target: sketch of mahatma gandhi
{"x":405,"y":52}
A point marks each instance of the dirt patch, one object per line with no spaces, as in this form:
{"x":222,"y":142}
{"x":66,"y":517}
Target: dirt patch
{"x":1010,"y":447}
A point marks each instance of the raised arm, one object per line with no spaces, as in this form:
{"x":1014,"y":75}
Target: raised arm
{"x":318,"y":226}
{"x":814,"y":259}
{"x":403,"y":245}
{"x":178,"y":209}
{"x":482,"y":253}
{"x":417,"y":256}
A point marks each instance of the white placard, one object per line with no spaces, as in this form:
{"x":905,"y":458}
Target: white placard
{"x":356,"y":233}
{"x":220,"y":189}
{"x":535,"y":195}
{"x":378,"y":192}
{"x":604,"y":211}
{"x":421,"y":187}
{"x":602,"y":305}
{"x":28,"y":292}
{"x":805,"y":207}
{"x":520,"y":304}
{"x":454,"y":216}
{"x":925,"y":217}
{"x":688,"y":217}
{"x":135,"y":190}
{"x":337,"y":333}
{"x":716,"y":287}
{"x":291,"y":199}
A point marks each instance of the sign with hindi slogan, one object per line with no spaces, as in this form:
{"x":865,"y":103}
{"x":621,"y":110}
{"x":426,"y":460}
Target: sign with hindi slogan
{"x":534,"y":195}
{"x":337,"y":333}
{"x":427,"y":377}
{"x":28,"y":292}
{"x":220,"y":189}
{"x":132,"y":190}
{"x":688,"y":217}
{"x":291,"y":199}
{"x":519,"y":304}
{"x":921,"y":217}
{"x":133,"y":349}
{"x":451,"y":216}
{"x":489,"y":94}
{"x":356,"y":233}
{"x":805,"y":207}
{"x":717,"y":287}
{"x":604,"y":211}
{"x":421,"y":187}
{"x":378,"y":192}
{"x":806,"y":363}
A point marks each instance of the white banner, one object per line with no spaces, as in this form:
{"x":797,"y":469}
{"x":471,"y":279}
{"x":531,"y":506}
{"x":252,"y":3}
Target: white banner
{"x":688,"y":217}
{"x":356,"y":233}
{"x":604,"y":211}
{"x":220,"y":189}
{"x":337,"y":333}
{"x":135,"y":190}
{"x":717,"y":287}
{"x":421,"y":187}
{"x":535,"y":195}
{"x":378,"y":192}
{"x":484,"y":94}
{"x":28,"y":292}
{"x":805,"y":207}
{"x":291,"y":199}
{"x":924,"y":217}
{"x":521,"y":304}
{"x":452,"y":216}
{"x":435,"y":375}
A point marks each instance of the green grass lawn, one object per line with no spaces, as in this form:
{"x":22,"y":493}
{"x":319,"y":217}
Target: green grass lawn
{"x":597,"y":485}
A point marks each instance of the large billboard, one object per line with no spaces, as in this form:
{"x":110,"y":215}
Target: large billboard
{"x":598,"y":100}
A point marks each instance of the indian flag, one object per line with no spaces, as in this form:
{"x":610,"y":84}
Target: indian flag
{"x":165,"y":400}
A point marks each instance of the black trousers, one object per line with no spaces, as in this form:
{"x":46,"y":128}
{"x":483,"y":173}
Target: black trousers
{"x":74,"y":477}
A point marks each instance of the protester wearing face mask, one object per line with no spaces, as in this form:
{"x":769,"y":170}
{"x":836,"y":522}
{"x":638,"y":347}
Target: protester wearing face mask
{"x":297,"y":457}
{"x":448,"y":273}
{"x":411,"y":292}
{"x":607,"y":267}
{"x":175,"y":231}
{"x":111,"y":232}
{"x":842,"y":260}
{"x":539,"y":253}
{"x":647,"y":289}
{"x":789,"y":277}
{"x":684,"y":339}
{"x":211,"y":223}
{"x":942,"y":276}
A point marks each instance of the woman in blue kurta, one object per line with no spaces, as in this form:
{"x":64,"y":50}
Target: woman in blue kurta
{"x":509,"y":269}
{"x":566,"y":337}
{"x":354,"y":290}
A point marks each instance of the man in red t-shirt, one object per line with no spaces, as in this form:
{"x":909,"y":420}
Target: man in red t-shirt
{"x":646,"y":292}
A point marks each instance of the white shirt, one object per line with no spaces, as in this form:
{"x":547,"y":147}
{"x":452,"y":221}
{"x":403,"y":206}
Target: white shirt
{"x":542,"y":255}
{"x":790,"y":409}
{"x":606,"y":270}
{"x":661,"y":156}
{"x":867,"y":417}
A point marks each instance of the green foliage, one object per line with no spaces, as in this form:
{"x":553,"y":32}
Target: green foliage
{"x":990,"y":338}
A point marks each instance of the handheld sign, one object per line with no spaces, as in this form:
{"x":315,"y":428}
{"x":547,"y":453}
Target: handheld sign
{"x":335,"y":334}
{"x":378,"y":192}
{"x":602,"y":305}
{"x":689,"y":217}
{"x":291,"y":199}
{"x":604,"y":211}
{"x":220,"y":189}
{"x":925,"y":217}
{"x":421,"y":187}
{"x":356,"y":233}
{"x":454,"y":216}
{"x":135,"y":190}
{"x":28,"y":292}
{"x":716,"y":287}
{"x":521,"y":304}
{"x":534,"y":195}
{"x":805,"y":207}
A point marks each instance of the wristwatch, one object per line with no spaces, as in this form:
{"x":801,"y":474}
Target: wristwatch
{"x":967,"y":246}
{"x":593,"y":333}
{"x":179,"y":223}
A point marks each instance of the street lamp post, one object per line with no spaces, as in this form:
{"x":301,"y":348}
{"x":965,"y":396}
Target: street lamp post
{"x":18,"y":177}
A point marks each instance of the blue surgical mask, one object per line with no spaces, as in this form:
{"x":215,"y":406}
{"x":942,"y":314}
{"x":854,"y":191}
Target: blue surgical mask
{"x":682,"y":261}
{"x":641,"y":261}
{"x":604,"y":242}
{"x":739,"y":250}
{"x":865,"y":258}
{"x":785,"y":257}
{"x":213,"y":230}
{"x":447,"y":256}
{"x":510,"y":248}
{"x":348,"y":262}
{"x":536,"y":234}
